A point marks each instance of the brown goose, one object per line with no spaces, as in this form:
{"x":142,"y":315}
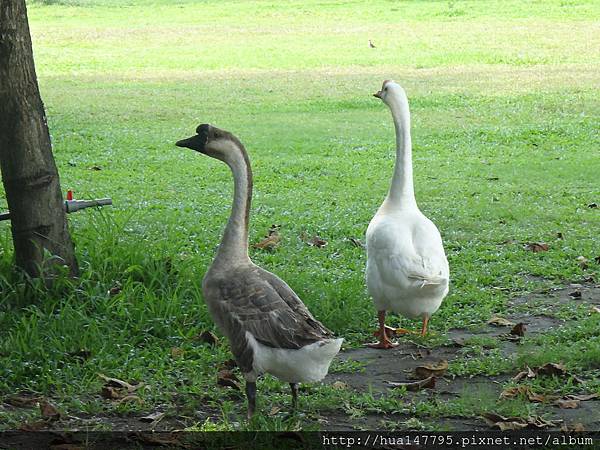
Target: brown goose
{"x":268,"y":327}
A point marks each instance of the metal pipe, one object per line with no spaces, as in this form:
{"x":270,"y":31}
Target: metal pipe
{"x":73,"y":205}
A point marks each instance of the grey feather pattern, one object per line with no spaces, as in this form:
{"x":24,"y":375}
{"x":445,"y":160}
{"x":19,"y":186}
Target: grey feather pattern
{"x":248,"y":298}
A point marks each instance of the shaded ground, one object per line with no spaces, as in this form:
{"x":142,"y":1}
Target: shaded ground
{"x":397,"y":365}
{"x":540,"y":312}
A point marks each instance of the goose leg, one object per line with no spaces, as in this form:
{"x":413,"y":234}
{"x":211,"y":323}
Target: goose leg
{"x":251,"y":395}
{"x":424,"y":328}
{"x":384,"y":341}
{"x":294,"y":388}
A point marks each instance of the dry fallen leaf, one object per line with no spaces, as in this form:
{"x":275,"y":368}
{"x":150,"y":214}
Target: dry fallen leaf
{"x":49,"y":411}
{"x":427,"y":383}
{"x":228,"y":364}
{"x":115,"y":389}
{"x":537,"y":247}
{"x":227,"y":378}
{"x":130,"y":399}
{"x":274,"y":411}
{"x":525,"y":374}
{"x":552,"y":369}
{"x":523,"y":390}
{"x":356,"y":242}
{"x":582,"y":397}
{"x":498,"y":321}
{"x":339,"y":385}
{"x":207,"y":337}
{"x":318,"y":242}
{"x":177,"y":352}
{"x":436,"y":369}
{"x":576,"y":428}
{"x":154,"y":417}
{"x":116,"y":289}
{"x":516,"y":423}
{"x":519,"y":330}
{"x":23,"y":400}
{"x":567,"y":404}
{"x":504,"y":423}
{"x":582,"y":261}
{"x":268,"y":243}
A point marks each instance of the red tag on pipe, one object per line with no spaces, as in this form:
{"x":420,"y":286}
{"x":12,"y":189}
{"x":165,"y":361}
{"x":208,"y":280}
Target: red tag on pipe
{"x":69,"y":194}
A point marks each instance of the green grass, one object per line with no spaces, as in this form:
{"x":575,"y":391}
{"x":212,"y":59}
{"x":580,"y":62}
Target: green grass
{"x":497,"y":89}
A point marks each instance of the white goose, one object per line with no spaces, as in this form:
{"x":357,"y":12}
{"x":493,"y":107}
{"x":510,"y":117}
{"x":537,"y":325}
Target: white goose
{"x":407,"y":269}
{"x":268,"y":327}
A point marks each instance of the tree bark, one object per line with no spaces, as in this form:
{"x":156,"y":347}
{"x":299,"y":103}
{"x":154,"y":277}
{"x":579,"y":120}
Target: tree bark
{"x":29,"y":174}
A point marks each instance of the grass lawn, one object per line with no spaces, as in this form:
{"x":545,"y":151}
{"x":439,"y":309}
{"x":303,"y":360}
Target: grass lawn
{"x":505,"y":113}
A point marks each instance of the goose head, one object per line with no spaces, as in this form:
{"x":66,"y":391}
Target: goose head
{"x":213,"y":142}
{"x":390,"y":90}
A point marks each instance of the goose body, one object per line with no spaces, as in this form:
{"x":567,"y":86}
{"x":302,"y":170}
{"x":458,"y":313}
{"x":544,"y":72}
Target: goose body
{"x":269,"y":329}
{"x":407,"y":270}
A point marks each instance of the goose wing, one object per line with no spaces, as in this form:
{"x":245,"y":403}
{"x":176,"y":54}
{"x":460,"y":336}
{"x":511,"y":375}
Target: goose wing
{"x":256,"y":301}
{"x":408,"y":255}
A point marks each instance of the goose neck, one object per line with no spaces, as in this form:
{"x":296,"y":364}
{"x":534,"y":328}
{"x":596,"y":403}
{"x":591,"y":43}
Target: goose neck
{"x":234,"y":245}
{"x":401,"y":192}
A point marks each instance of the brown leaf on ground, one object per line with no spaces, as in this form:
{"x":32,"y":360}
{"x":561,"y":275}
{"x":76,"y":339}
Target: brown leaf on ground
{"x":552,"y":369}
{"x":48,"y":411}
{"x":81,"y":354}
{"x":435,"y":369}
{"x":427,"y":383}
{"x":274,"y":411}
{"x":130,"y":399}
{"x":519,"y":330}
{"x":536,"y":247}
{"x":120,"y":384}
{"x":356,"y":242}
{"x":269,"y":243}
{"x":207,"y":337}
{"x":504,"y":423}
{"x":582,"y":397}
{"x":525,"y":374}
{"x":154,"y":417}
{"x":567,"y":404}
{"x":228,"y":364}
{"x":525,"y":391}
{"x":116,"y":289}
{"x":575,"y":428}
{"x":115,"y":389}
{"x":177,"y":352}
{"x":339,"y":385}
{"x":227,"y":378}
{"x":317,"y":241}
{"x":582,"y":261}
{"x":498,"y":321}
{"x":23,"y":400}
{"x":516,"y":423}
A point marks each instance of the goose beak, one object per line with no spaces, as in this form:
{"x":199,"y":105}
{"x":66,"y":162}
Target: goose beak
{"x":197,"y":142}
{"x":377,"y":94}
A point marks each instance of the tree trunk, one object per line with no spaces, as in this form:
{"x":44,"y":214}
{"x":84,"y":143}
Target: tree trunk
{"x":29,"y":174}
